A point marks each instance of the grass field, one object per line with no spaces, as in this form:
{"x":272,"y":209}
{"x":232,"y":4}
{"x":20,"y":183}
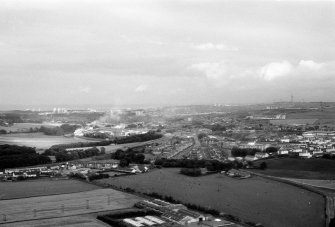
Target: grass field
{"x":22,"y":189}
{"x":38,"y":140}
{"x":321,"y":169}
{"x":71,"y":221}
{"x":65,"y":204}
{"x":24,"y":127}
{"x":256,"y":199}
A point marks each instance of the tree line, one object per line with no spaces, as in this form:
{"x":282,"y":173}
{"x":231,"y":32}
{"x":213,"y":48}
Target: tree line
{"x":64,"y":155}
{"x":12,"y":156}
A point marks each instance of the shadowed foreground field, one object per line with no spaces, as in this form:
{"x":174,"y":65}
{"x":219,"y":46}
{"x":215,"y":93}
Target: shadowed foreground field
{"x":64,"y":205}
{"x":22,"y":189}
{"x":272,"y":203}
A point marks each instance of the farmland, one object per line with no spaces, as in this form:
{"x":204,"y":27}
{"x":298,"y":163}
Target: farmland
{"x":38,"y":140}
{"x":322,"y":169}
{"x":70,"y":221}
{"x":65,"y":204}
{"x":255,"y":199}
{"x":25,"y":127}
{"x":22,"y":189}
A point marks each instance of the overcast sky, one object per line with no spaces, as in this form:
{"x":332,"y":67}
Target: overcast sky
{"x":165,"y":52}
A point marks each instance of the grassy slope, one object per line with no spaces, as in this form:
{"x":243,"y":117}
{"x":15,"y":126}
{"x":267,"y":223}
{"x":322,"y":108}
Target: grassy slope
{"x":255,"y":199}
{"x":300,"y":168}
{"x":22,"y":189}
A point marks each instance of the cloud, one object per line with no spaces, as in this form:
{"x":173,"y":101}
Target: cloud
{"x":311,"y":65}
{"x":85,"y":89}
{"x":275,"y":69}
{"x":141,"y":88}
{"x":212,"y":46}
{"x":212,"y":70}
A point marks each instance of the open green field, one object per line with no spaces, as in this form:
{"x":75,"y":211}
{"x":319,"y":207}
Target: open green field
{"x":24,"y":127}
{"x":38,"y":140}
{"x":85,"y":220}
{"x":321,"y":169}
{"x":40,"y":187}
{"x":256,"y":199}
{"x":64,"y":205}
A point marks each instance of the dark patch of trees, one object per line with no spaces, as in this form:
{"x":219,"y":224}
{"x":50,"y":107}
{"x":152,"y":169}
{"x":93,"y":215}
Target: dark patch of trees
{"x":202,"y":135}
{"x":193,"y":172}
{"x":3,"y":131}
{"x":138,"y":138}
{"x":59,"y":130}
{"x":263,"y":166}
{"x":131,"y":155}
{"x":211,"y":165}
{"x":242,"y":152}
{"x":12,"y":156}
{"x":62,"y":155}
{"x":271,"y":150}
{"x":216,"y":127}
{"x":81,"y":144}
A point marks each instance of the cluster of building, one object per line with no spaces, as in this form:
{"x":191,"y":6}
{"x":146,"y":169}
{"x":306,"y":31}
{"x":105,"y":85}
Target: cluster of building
{"x":311,"y":143}
{"x":176,"y":214}
{"x":109,"y":130}
{"x":85,"y":168}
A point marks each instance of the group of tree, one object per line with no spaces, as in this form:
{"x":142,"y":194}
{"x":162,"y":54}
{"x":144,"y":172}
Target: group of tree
{"x":211,"y":165}
{"x":129,"y":156}
{"x":81,"y":144}
{"x":242,"y":152}
{"x":151,"y":135}
{"x":193,"y":172}
{"x":63,"y":155}
{"x":59,"y":130}
{"x":216,"y":127}
{"x":12,"y":156}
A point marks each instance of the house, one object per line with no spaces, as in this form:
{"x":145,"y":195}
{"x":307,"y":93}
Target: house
{"x":260,"y":155}
{"x":305,"y":155}
{"x":250,"y":158}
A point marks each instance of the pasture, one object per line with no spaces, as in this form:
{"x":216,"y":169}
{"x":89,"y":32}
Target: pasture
{"x":25,"y":127}
{"x":256,"y":199}
{"x":321,"y":169}
{"x":41,"y":187}
{"x":71,"y":221}
{"x":38,"y":140}
{"x":65,"y":205}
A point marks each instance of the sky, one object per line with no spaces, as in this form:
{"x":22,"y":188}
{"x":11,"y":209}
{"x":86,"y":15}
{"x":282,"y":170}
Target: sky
{"x":165,"y":52}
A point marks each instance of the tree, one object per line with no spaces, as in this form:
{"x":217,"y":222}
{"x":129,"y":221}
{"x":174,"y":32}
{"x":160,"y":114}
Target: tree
{"x":271,"y":150}
{"x":124,"y":163}
{"x":263,"y":166}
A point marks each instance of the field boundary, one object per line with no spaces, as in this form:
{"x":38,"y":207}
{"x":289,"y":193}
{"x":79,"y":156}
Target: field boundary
{"x":15,"y":198}
{"x":63,"y":216}
{"x":328,"y":198}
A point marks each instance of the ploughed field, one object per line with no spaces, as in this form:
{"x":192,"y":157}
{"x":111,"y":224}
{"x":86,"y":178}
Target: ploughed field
{"x":53,"y":206}
{"x":40,"y":187}
{"x":256,"y":199}
{"x":321,"y":169}
{"x":38,"y":140}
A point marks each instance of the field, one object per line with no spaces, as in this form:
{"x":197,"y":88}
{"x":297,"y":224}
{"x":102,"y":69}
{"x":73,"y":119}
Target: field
{"x":64,"y":205}
{"x":256,"y":199}
{"x":71,"y":221}
{"x":321,"y":169}
{"x":24,"y":127}
{"x":22,"y":189}
{"x":38,"y":140}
